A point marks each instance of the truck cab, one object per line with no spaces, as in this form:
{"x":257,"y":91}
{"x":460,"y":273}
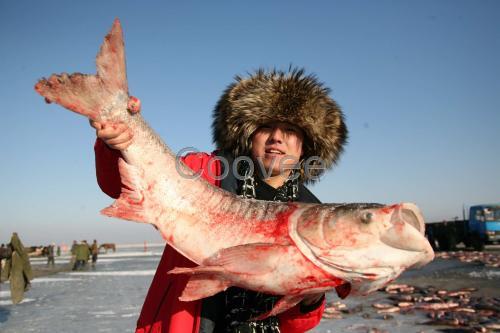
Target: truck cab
{"x":484,"y":222}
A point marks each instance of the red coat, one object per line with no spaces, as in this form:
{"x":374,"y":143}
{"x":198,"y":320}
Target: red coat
{"x":162,"y":311}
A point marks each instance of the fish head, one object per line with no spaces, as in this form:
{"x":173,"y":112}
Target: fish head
{"x":368,"y":245}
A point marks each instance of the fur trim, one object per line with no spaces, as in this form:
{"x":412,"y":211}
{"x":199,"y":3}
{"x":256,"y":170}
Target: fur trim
{"x":276,"y":95}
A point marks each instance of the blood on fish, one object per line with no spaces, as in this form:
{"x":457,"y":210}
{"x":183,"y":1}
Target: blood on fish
{"x":279,"y":229}
{"x":389,"y":209}
{"x":151,"y":186}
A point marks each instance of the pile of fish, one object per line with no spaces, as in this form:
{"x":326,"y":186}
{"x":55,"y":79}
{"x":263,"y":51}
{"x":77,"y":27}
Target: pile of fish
{"x":457,"y":308}
{"x":489,"y":259}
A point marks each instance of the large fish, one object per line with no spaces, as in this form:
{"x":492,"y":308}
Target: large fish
{"x":290,"y":249}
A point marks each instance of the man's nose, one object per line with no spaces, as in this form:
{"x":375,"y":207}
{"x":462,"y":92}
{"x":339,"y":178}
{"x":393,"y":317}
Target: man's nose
{"x":276,"y":135}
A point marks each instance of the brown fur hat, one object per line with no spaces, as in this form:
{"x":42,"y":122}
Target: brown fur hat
{"x":275,"y":95}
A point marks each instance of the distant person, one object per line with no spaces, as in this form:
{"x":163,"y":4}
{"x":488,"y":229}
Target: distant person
{"x":82,"y":254}
{"x":50,"y":255}
{"x":2,"y":248}
{"x":94,"y":250}
{"x":18,"y":269}
{"x":73,"y":253}
{"x":88,"y":250}
{"x":5,"y":253}
{"x":58,"y":252}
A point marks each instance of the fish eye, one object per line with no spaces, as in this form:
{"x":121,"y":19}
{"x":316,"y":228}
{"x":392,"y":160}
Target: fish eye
{"x":366,"y":217}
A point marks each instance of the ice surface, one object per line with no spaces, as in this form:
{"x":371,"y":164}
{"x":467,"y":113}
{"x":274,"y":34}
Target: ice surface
{"x":116,"y":273}
{"x":109,"y":297}
{"x":57,"y":278}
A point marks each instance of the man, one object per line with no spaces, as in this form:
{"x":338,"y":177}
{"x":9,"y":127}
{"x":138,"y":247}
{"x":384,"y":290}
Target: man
{"x":5,"y":253}
{"x":18,"y":270}
{"x":50,"y":254}
{"x":94,"y":250}
{"x":281,"y":120}
{"x":73,"y":254}
{"x":82,"y":254}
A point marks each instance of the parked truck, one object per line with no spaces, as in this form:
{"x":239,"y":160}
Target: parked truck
{"x":482,"y":227}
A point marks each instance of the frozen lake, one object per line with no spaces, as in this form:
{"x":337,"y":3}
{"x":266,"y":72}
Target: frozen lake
{"x":105,"y":299}
{"x":109,"y":297}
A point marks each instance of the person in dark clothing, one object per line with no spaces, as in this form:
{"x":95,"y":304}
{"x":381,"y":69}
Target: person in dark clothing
{"x":18,"y":269}
{"x":291,"y":130}
{"x":5,"y":253}
{"x":94,"y":250}
{"x":72,"y":251}
{"x":50,"y":255}
{"x":82,"y":255}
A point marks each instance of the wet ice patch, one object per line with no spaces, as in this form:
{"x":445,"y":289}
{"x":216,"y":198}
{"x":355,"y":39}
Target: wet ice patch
{"x":486,"y":274}
{"x":129,"y":254}
{"x":109,"y":260}
{"x":102,"y":313}
{"x":115,"y":273}
{"x":44,"y":262}
{"x":9,"y":302}
{"x":47,"y":279}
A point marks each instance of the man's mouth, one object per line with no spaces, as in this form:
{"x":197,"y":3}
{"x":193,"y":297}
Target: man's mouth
{"x":274,"y":151}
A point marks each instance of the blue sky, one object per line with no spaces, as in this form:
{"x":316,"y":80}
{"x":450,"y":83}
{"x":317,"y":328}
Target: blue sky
{"x":419,"y":83}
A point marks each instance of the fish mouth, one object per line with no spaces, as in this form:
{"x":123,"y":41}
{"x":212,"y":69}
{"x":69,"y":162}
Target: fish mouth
{"x":407,"y":232}
{"x":409,"y":213}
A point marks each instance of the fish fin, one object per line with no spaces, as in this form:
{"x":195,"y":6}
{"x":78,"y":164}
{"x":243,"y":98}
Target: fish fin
{"x":110,"y":60}
{"x":285,"y":303}
{"x":88,"y":94}
{"x":130,"y":204}
{"x":252,"y":259}
{"x":343,"y":290}
{"x":249,"y":259}
{"x":197,"y":270}
{"x":200,"y":285}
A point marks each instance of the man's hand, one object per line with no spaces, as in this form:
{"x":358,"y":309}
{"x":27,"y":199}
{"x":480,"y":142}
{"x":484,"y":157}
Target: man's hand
{"x":117,"y":135}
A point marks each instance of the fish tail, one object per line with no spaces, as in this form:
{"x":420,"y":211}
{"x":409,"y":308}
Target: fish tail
{"x":89,"y":95}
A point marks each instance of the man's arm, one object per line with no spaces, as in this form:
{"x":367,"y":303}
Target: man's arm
{"x":106,"y":168}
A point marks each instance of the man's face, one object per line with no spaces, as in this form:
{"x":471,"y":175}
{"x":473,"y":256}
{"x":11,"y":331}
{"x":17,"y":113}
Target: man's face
{"x":278,"y":145}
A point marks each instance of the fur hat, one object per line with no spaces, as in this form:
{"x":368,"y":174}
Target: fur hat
{"x":275,"y":95}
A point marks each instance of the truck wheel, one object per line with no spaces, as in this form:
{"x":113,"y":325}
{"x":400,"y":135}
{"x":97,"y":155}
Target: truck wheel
{"x":442,"y":243}
{"x":467,"y":242}
{"x":477,"y":243}
{"x":452,"y":242}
